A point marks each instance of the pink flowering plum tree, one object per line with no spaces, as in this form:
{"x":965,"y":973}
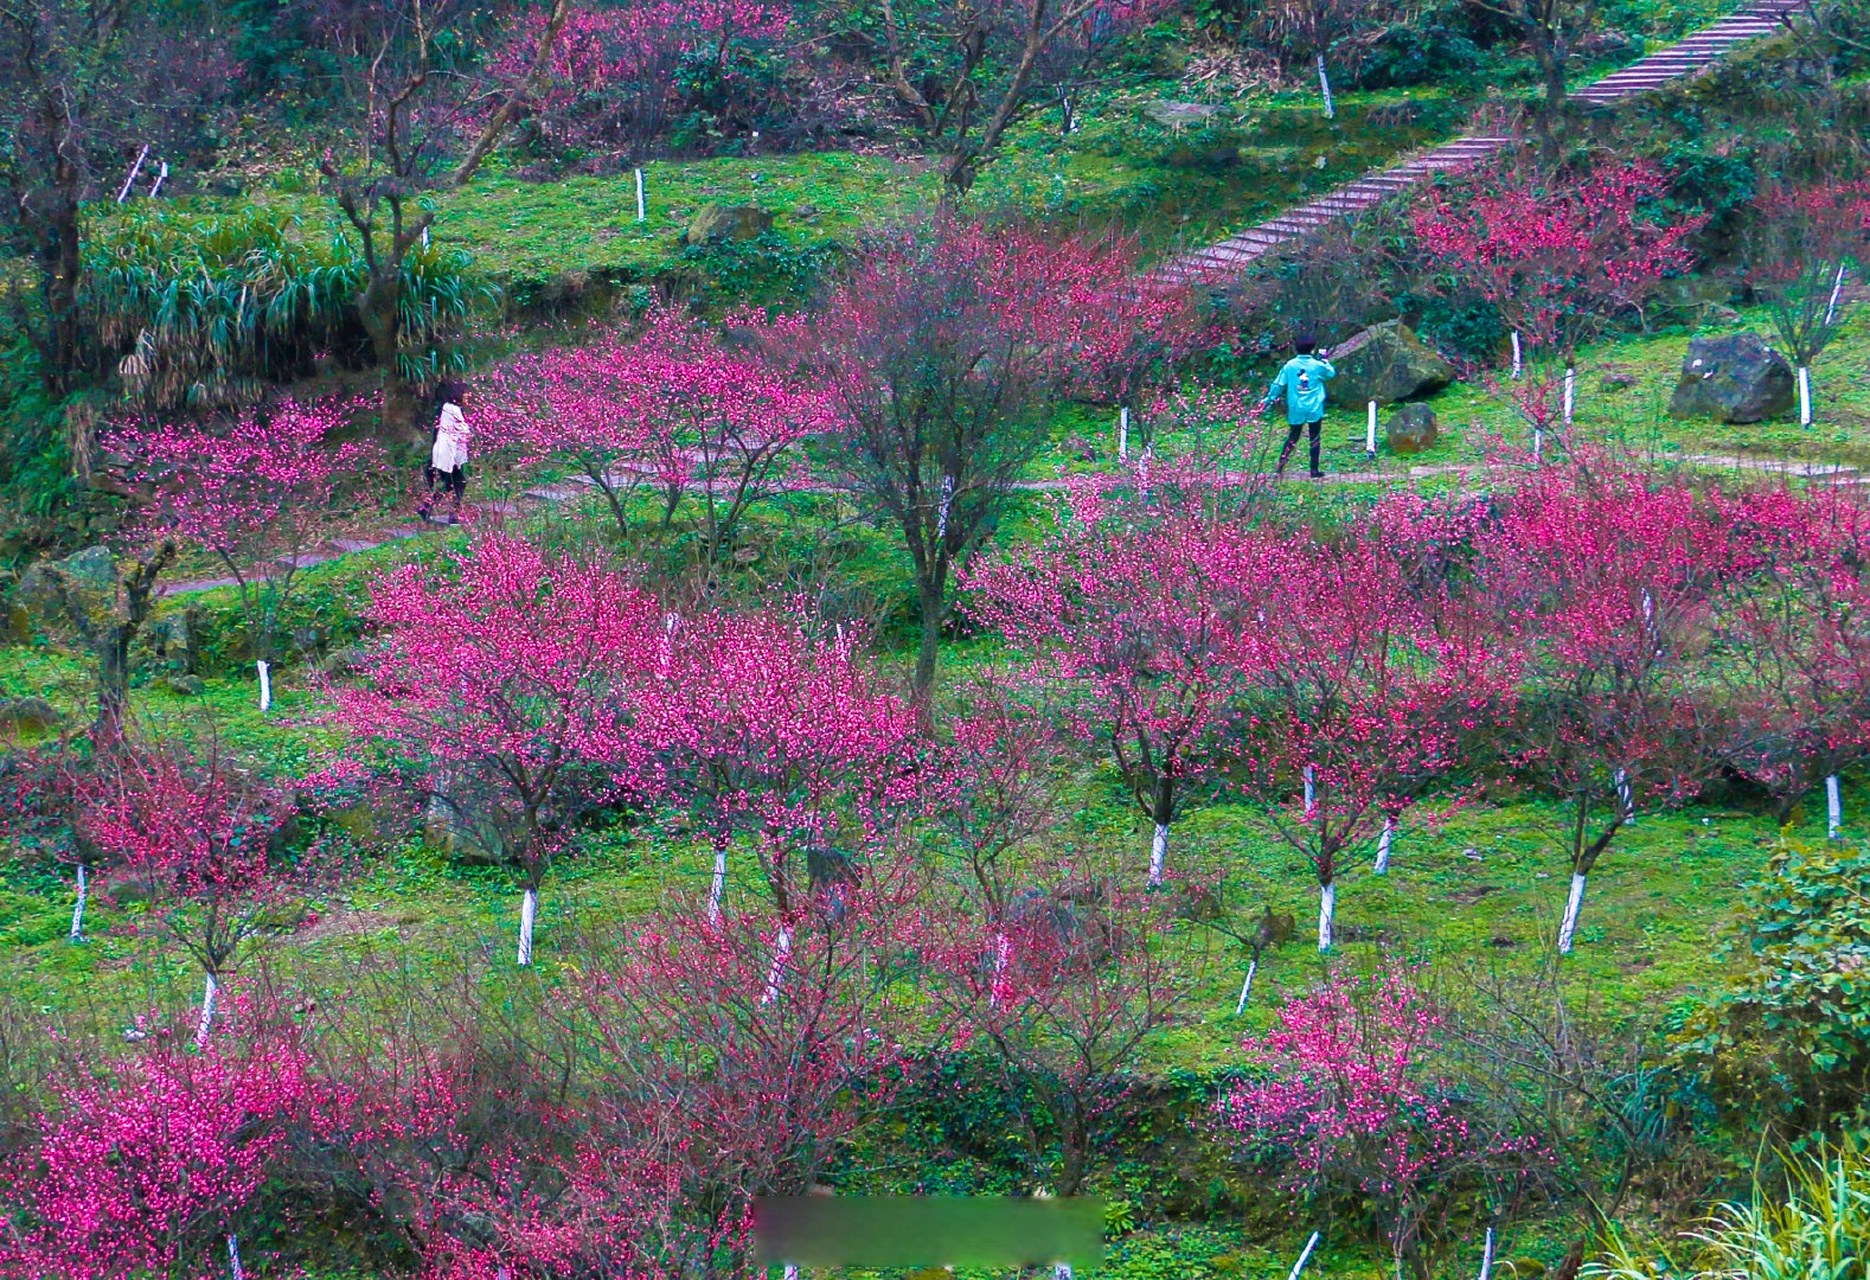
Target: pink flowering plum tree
{"x":1352,"y":704}
{"x":672,"y":409}
{"x":785,"y":739}
{"x":1792,"y":648}
{"x":1803,"y":243}
{"x":1559,"y":257}
{"x":1139,"y":619}
{"x":259,"y":493}
{"x":500,"y":691}
{"x":204,"y":839}
{"x":1063,"y":995}
{"x":943,"y":350}
{"x":743,"y":1080}
{"x":1607,"y":579}
{"x":1342,"y":1090}
{"x":149,"y":1165}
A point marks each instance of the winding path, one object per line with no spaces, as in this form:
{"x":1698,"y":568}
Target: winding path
{"x":1229,"y":258}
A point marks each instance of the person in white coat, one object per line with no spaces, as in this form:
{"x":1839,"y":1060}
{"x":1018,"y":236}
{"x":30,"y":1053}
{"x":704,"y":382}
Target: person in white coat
{"x":448,"y":458}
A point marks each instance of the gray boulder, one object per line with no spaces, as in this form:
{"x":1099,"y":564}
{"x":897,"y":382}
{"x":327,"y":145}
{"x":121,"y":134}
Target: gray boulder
{"x":1386,"y":362}
{"x":1412,"y":428}
{"x":1733,"y":378}
{"x":29,"y":713}
{"x":714,"y":223}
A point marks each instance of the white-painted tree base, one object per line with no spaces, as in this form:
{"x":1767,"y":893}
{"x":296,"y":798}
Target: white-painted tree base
{"x":1300,"y":1264}
{"x":1327,"y":915}
{"x":77,"y":907}
{"x":719,"y":886}
{"x":1834,"y":817}
{"x":1324,"y":88}
{"x":1246,"y":988}
{"x":1568,"y":928}
{"x":1486,"y":1256}
{"x":781,"y":949}
{"x":1382,"y":867}
{"x":233,"y":1258}
{"x":1805,"y":396}
{"x":528,"y":912}
{"x":1001,"y":947}
{"x":206,"y":1022}
{"x":1158,"y":852}
{"x":266,"y":685}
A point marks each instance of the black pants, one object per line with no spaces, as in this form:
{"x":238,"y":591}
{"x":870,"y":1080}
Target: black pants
{"x":453,"y":482}
{"x":1317,"y":425}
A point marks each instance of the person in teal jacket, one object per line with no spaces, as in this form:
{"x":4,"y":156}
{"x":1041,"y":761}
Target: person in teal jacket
{"x":1303,"y":382}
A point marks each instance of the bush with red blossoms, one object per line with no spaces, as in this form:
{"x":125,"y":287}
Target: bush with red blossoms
{"x":150,"y":1165}
{"x":671,"y":409}
{"x":259,"y":493}
{"x":502,"y":692}
{"x":1343,"y":1094}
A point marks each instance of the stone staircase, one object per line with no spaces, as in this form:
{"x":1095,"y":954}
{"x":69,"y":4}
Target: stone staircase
{"x":1228,"y":259}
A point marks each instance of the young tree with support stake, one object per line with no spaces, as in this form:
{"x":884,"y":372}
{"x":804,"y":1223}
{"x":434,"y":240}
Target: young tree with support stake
{"x":1559,"y":255}
{"x":203,"y":837}
{"x":1792,"y":650}
{"x":1140,"y":620}
{"x":943,"y":351}
{"x":503,"y":693}
{"x":1352,"y":704}
{"x":1801,"y":247}
{"x":1608,"y":579}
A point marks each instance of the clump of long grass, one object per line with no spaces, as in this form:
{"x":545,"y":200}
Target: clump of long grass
{"x":1816,"y":1228}
{"x":208,"y":308}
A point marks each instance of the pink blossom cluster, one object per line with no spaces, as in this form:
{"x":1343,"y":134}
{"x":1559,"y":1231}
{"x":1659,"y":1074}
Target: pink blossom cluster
{"x":1556,"y":256}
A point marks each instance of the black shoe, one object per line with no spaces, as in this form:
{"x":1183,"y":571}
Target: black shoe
{"x":1318,"y":475}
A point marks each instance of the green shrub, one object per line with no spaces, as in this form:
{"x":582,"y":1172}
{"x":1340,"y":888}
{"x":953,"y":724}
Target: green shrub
{"x":1789,"y":1034}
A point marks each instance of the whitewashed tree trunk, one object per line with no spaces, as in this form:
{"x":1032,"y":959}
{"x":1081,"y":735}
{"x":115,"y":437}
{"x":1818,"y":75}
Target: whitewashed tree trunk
{"x":1837,"y":287}
{"x":792,"y":1271}
{"x":1123,"y":434}
{"x":1626,"y":797}
{"x":642,"y":213}
{"x":1834,"y":819}
{"x":1568,"y":928}
{"x":1324,"y":87}
{"x":1383,"y":845}
{"x":528,"y":911}
{"x":1518,"y":362}
{"x":1538,"y":443}
{"x":1300,"y":1264}
{"x":233,"y":1258}
{"x":719,"y":886}
{"x":77,"y":908}
{"x":1311,"y":792}
{"x":1001,"y":948}
{"x":206,"y":1022}
{"x":781,"y":949}
{"x":1571,"y":388}
{"x":1246,"y":988}
{"x":135,"y":169}
{"x":1158,"y":852}
{"x":1486,"y":1256}
{"x":1805,"y":396}
{"x":266,"y":685}
{"x":1327,"y":914}
{"x":1370,"y":431}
